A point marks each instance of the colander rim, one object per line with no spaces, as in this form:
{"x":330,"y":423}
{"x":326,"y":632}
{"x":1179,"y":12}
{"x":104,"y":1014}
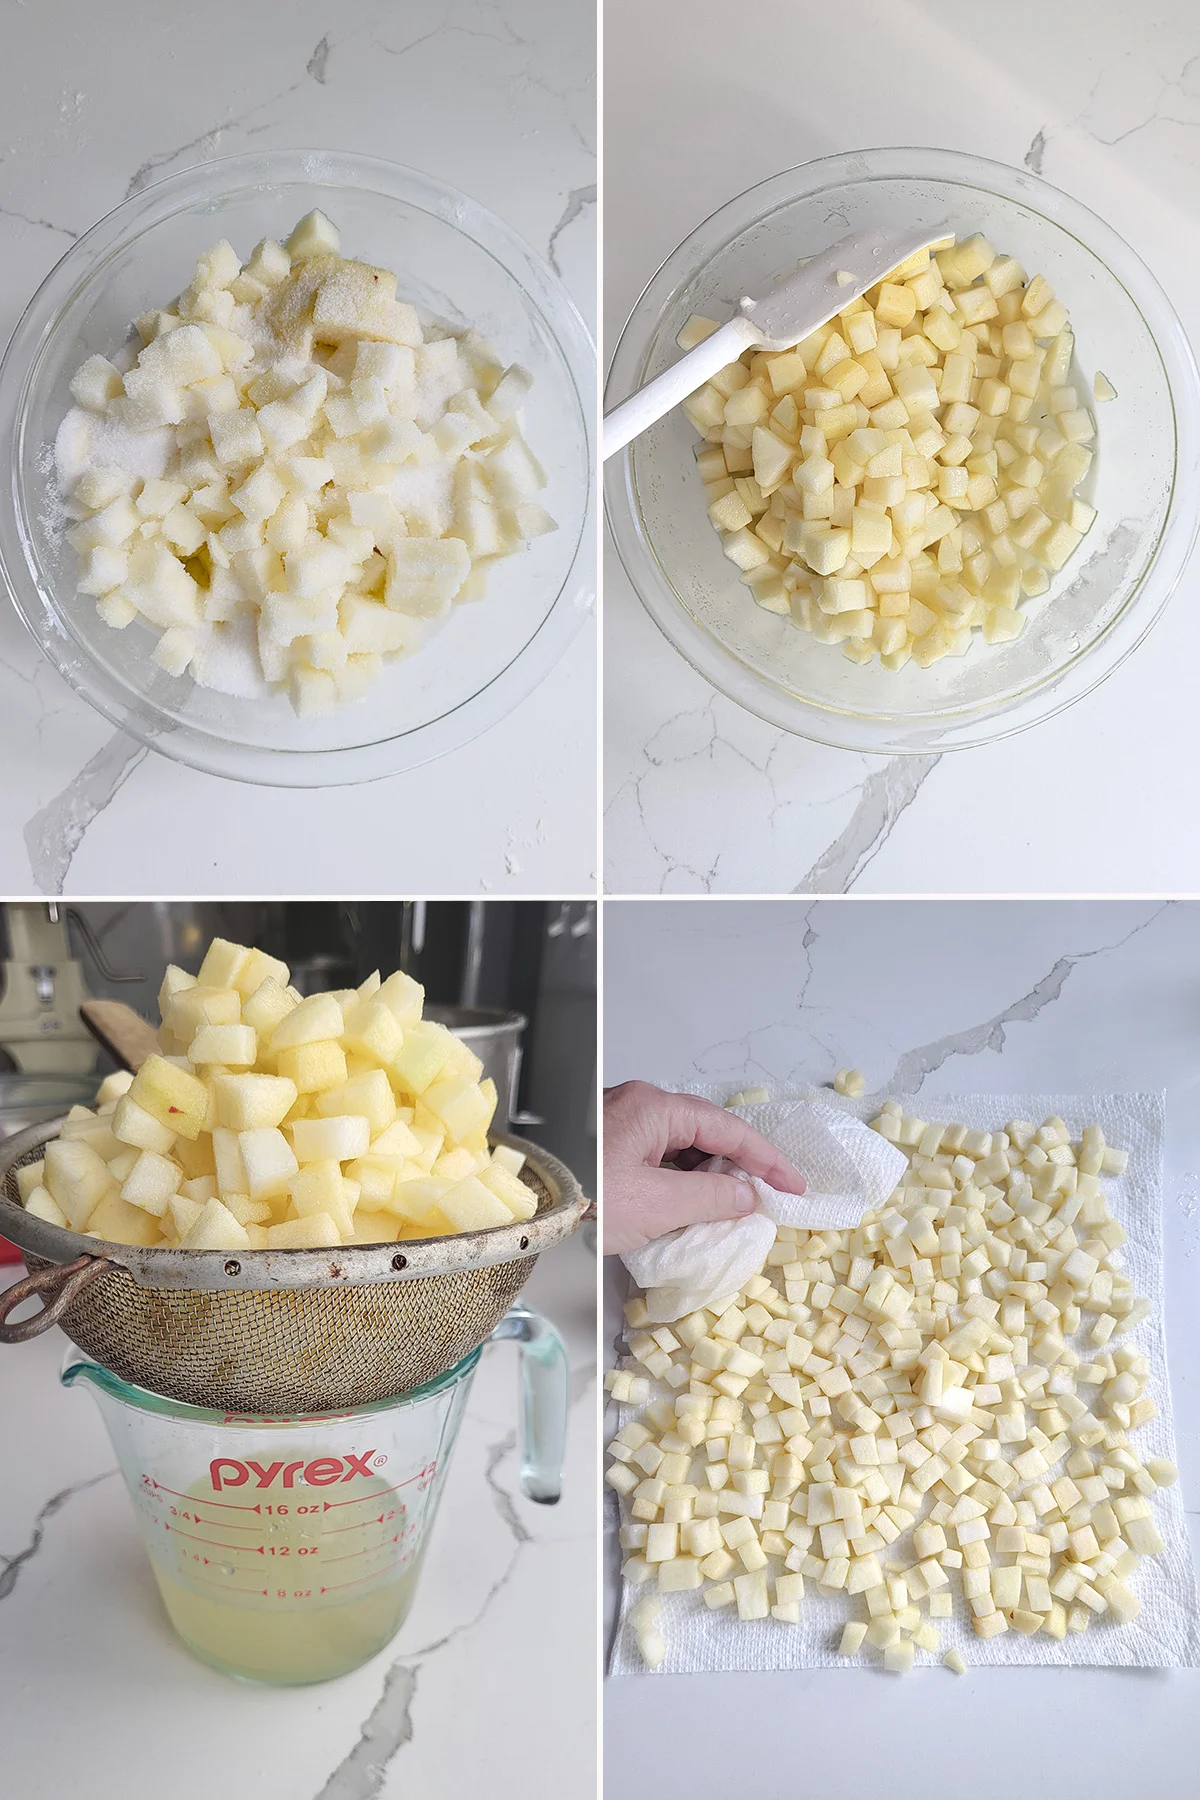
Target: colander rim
{"x":349,"y":1265}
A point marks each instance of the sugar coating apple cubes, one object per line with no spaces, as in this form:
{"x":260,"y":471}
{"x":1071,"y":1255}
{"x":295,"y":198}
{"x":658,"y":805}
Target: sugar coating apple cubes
{"x":280,"y":409}
{"x":424,"y":574}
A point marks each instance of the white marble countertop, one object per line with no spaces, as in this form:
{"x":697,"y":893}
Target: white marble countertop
{"x":929,"y":998}
{"x":1104,"y":101}
{"x":489,"y":1688}
{"x":495,"y":97}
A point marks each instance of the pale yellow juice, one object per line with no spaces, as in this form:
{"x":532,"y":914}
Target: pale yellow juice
{"x":291,"y":1586}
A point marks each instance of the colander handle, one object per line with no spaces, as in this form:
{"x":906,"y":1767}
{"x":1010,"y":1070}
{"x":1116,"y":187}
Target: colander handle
{"x":61,"y":1282}
{"x":545,"y":1394}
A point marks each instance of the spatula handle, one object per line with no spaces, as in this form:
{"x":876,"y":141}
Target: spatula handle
{"x":127,"y":1037}
{"x":659,"y":396}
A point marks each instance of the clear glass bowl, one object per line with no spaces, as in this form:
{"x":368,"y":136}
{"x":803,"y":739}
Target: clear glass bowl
{"x":1143,"y":483}
{"x":456,"y":261}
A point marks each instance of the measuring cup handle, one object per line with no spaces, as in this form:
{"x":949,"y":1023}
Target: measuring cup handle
{"x":62,"y":1282}
{"x":544,"y":1400}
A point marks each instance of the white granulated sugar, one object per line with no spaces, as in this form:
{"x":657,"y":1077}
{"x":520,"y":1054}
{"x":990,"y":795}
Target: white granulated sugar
{"x":424,"y":492}
{"x":227,"y":660}
{"x":440,"y":375}
{"x":72,"y":445}
{"x":247,"y":562}
{"x":142,"y":453}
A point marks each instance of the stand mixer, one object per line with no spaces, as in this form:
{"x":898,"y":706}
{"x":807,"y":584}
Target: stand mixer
{"x":40,"y":1027}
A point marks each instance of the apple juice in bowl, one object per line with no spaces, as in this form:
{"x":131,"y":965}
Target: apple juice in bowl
{"x":286,"y":1550}
{"x":301,"y":1588}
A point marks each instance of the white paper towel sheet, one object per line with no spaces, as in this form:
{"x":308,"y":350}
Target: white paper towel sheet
{"x":1166,"y":1634}
{"x":849,"y":1170}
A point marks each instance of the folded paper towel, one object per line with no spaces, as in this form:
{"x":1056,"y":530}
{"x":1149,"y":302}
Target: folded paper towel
{"x":849,"y":1170}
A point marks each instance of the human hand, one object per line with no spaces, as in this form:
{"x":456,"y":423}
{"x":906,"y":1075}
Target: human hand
{"x":645,"y":1132}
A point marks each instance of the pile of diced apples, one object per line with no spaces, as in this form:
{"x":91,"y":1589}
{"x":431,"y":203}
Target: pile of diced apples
{"x":898,"y":1413}
{"x":330,"y":476}
{"x":907,"y":475}
{"x":275,"y":1122}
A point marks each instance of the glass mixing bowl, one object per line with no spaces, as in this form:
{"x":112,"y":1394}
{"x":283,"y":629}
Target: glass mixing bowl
{"x":458,"y":263}
{"x":1143,"y":482}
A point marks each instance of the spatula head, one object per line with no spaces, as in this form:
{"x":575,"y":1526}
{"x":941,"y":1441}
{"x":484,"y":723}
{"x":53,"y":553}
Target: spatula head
{"x":818,"y":289}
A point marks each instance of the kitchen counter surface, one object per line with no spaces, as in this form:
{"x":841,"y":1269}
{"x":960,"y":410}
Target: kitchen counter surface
{"x":494,"y":96}
{"x":930,"y":999}
{"x":701,"y":796}
{"x":489,"y":1688}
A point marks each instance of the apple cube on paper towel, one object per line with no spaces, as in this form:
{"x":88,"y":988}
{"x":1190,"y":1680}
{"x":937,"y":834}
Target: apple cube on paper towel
{"x":923,"y":1411}
{"x":271,"y":1121}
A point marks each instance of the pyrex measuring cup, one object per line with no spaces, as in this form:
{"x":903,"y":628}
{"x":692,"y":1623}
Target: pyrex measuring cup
{"x":287,"y":1550}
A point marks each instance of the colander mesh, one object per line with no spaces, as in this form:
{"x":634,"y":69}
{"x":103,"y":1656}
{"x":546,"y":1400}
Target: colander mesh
{"x":286,"y":1350}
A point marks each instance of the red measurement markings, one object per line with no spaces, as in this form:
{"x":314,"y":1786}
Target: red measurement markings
{"x":195,"y":1538}
{"x":230,"y":1505}
{"x":355,"y":1555}
{"x":336,"y":1586}
{"x":361,"y":1525}
{"x":226,"y":1587}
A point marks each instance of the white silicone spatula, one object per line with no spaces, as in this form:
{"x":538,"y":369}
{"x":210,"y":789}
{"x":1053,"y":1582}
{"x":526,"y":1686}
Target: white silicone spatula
{"x":784,"y":315}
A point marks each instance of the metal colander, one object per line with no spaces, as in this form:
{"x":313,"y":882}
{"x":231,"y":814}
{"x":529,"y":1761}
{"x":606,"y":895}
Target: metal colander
{"x":280,"y":1331}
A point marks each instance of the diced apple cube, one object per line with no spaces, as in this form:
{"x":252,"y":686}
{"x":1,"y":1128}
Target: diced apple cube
{"x":313,"y":692}
{"x":460,"y":1104}
{"x":422,"y":1056}
{"x":269,"y":1162}
{"x":372,"y":1030}
{"x":369,"y":627}
{"x":231,"y":1176}
{"x":314,"y":1068}
{"x":404,"y":996}
{"x":236,"y":437}
{"x":520,"y":1200}
{"x":230,"y":1045}
{"x":42,"y":1205}
{"x":95,"y":383}
{"x":506,"y":397}
{"x":318,"y":1017}
{"x":184,"y":1210}
{"x":172,"y":1096}
{"x":115,"y":1220}
{"x":267,"y":1006}
{"x":511,"y":1159}
{"x":313,"y":236}
{"x":321,"y":1188}
{"x":270,"y":263}
{"x":102,"y":570}
{"x":424,"y":574}
{"x":338,"y":1139}
{"x":151,"y":1182}
{"x":398,"y":1140}
{"x":132,"y":1124}
{"x":369,"y":1095}
{"x":356,"y":300}
{"x":472,"y":1207}
{"x":316,"y":1231}
{"x":113,"y":1086}
{"x":215,"y":1228}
